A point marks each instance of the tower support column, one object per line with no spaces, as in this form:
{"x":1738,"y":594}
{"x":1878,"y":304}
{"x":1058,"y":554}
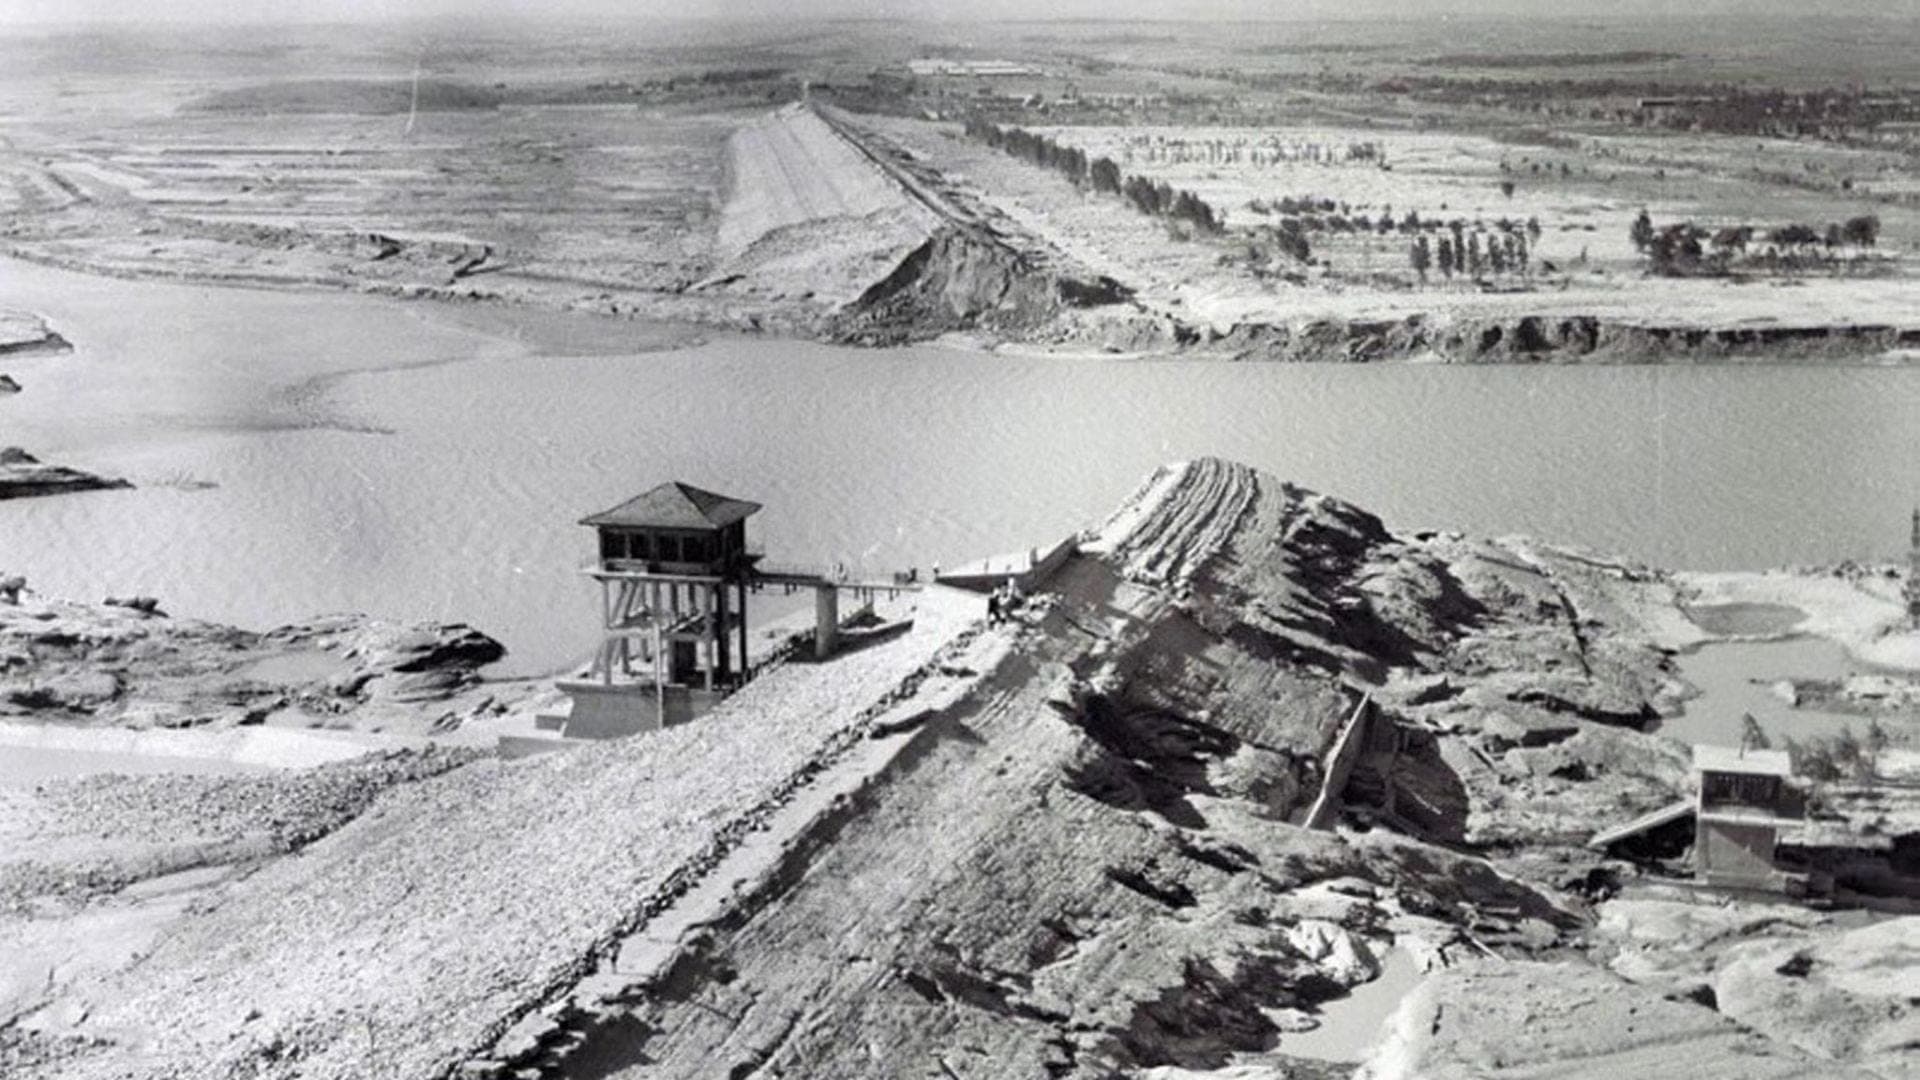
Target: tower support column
{"x":721,"y":643}
{"x":826,"y":620}
{"x":745,"y":670}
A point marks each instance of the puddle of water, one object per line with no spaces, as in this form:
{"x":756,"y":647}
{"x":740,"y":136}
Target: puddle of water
{"x":1735,"y":679}
{"x":1350,"y":1026}
{"x":1745,"y":620}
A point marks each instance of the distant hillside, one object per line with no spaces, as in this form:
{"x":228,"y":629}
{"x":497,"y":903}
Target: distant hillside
{"x":364,"y":96}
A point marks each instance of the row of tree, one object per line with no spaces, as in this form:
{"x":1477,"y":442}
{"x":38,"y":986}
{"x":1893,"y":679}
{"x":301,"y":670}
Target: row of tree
{"x":1306,"y":204}
{"x":1450,"y":247}
{"x":1683,"y":248}
{"x":1466,"y":255}
{"x":1030,"y":147}
{"x":1270,"y":151}
{"x":1316,"y":215}
{"x":1155,"y":198}
{"x":1161,"y":200}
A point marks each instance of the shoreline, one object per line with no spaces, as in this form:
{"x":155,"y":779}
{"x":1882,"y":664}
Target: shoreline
{"x":1553,"y":332}
{"x":489,"y":327}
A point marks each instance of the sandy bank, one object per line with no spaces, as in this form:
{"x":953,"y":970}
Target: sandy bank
{"x":277,"y":748}
{"x":22,"y":332}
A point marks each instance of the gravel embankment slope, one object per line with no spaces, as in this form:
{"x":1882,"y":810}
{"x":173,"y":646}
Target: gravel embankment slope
{"x":419,"y":931}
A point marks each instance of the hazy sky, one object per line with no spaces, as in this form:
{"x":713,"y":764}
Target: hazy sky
{"x":115,"y":11}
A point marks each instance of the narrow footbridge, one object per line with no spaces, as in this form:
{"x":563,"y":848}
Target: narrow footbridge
{"x":827,"y":583}
{"x":795,"y":576}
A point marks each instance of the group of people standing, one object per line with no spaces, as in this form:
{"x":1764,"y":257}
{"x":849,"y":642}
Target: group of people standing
{"x":1003,"y":602}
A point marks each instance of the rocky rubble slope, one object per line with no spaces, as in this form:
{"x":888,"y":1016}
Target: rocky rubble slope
{"x":1839,"y":986}
{"x":1549,"y":338}
{"x":1513,"y":1020}
{"x":1081,"y":857}
{"x":1090,"y":866}
{"x":64,"y":844}
{"x":962,"y":279}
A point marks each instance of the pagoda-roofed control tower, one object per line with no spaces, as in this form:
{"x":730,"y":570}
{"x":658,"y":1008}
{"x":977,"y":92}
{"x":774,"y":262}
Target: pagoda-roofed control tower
{"x":674,"y":570}
{"x":676,"y":529}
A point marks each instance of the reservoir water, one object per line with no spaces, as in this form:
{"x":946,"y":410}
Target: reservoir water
{"x":298,"y":454}
{"x":1736,"y":679}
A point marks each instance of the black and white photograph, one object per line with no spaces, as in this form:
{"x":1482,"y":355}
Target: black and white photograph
{"x":959,"y":540}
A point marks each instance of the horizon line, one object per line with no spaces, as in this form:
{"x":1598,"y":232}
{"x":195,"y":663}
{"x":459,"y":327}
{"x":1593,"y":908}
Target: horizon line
{"x":829,"y":17}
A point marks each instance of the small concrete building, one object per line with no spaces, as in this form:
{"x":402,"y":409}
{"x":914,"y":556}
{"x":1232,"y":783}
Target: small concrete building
{"x":1744,"y":805}
{"x":1751,"y":826}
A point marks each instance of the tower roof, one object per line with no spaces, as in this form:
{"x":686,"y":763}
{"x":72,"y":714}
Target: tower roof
{"x":675,"y":505}
{"x":1728,"y":759}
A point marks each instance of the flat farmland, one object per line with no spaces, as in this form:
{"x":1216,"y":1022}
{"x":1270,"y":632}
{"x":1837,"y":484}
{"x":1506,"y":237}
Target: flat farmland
{"x":1581,"y":191}
{"x":597,"y":197}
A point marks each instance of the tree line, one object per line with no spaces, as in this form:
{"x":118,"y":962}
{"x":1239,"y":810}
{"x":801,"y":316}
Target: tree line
{"x":1325,"y":215}
{"x":1683,"y":248}
{"x":1154,"y":198}
{"x":1474,"y":254}
{"x":1269,"y":151}
{"x":1452,"y":247}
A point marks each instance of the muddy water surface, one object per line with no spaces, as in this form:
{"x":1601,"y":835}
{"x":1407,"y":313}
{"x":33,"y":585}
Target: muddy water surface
{"x":301,"y":454}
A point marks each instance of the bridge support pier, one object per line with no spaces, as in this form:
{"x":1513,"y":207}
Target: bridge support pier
{"x":826,"y":617}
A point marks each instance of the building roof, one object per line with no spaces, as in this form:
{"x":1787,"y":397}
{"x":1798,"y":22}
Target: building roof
{"x":1665,"y":815}
{"x":1727,"y":759}
{"x":675,"y":505}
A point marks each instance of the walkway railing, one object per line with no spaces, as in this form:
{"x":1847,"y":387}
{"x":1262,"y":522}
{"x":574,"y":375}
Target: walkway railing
{"x":839,"y":577}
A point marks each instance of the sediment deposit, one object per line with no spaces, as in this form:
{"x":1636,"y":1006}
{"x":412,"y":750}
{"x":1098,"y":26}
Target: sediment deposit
{"x":22,"y":332}
{"x":22,"y":475}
